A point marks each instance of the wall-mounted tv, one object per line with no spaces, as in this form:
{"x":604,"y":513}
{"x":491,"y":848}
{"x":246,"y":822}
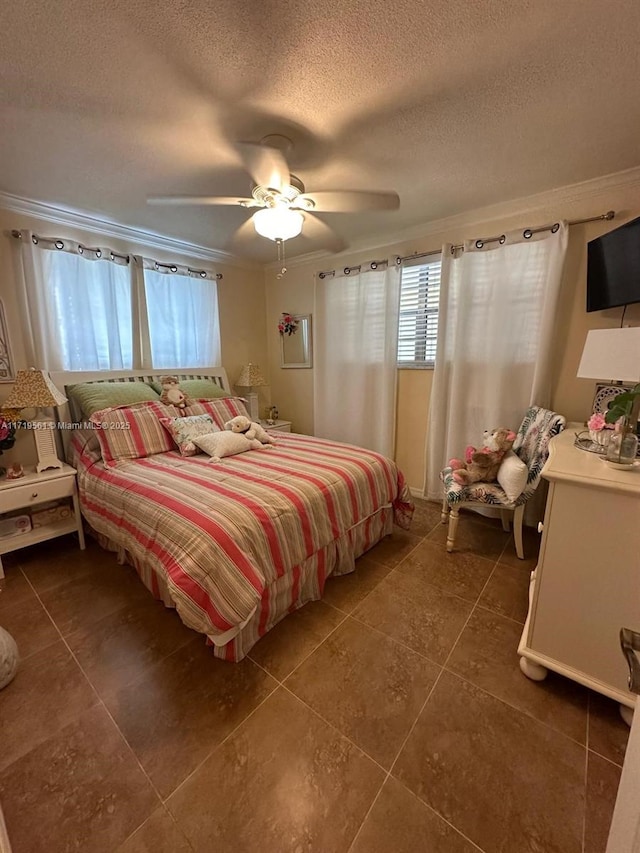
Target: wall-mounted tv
{"x":613,"y":268}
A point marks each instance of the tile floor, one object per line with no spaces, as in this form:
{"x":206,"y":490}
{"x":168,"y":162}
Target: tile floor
{"x":391,"y":717}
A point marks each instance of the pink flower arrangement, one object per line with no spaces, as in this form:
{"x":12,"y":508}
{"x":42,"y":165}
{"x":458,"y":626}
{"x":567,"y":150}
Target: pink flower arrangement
{"x":288,"y":325}
{"x":597,"y":422}
{"x":7,"y":434}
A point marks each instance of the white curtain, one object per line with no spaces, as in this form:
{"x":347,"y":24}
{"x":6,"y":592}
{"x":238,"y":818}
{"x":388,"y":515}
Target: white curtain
{"x":93,"y":309}
{"x":355,"y":343}
{"x":496,"y":324}
{"x":76,"y":305}
{"x":182,"y":312}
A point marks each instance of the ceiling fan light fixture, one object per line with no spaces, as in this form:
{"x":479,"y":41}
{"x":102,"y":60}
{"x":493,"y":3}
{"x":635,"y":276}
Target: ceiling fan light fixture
{"x":278,"y":223}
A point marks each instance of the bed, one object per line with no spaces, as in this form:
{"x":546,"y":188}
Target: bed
{"x":237,"y":545}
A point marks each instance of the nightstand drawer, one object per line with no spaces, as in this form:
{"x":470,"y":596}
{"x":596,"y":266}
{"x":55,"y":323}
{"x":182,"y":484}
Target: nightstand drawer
{"x":21,"y":497}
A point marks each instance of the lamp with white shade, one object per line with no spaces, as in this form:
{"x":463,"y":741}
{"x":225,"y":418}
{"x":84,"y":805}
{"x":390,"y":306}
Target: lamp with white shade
{"x":33,"y":389}
{"x":613,"y":354}
{"x":251,"y":377}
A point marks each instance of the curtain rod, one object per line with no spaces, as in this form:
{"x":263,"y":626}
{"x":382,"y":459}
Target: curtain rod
{"x":527,"y":234}
{"x":58,"y":242}
{"x":373,"y":265}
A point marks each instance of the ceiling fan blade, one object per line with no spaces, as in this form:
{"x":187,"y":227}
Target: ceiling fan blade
{"x":351,"y":201}
{"x":202,"y":199}
{"x":246,"y":233}
{"x":267,"y":166}
{"x":316,"y":229}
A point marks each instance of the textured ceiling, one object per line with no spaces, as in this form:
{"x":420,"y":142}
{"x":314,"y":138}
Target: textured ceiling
{"x":453,"y":104}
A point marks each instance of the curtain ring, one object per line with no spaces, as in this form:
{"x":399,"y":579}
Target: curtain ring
{"x":203,"y":274}
{"x":374,"y":265}
{"x":173,"y":268}
{"x":527,"y":233}
{"x":503,"y":239}
{"x":398,"y":260}
{"x":347,"y":270}
{"x":321,"y":275}
{"x":34,"y":239}
{"x":80,"y":249}
{"x":555,"y":227}
{"x":479,"y":244}
{"x":59,"y":244}
{"x":98,"y":253}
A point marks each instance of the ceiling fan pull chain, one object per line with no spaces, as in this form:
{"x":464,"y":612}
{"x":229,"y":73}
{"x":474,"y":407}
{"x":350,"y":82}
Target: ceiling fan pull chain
{"x":281,"y":258}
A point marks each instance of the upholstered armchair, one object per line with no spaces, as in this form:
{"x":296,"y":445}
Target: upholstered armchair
{"x":532,"y":446}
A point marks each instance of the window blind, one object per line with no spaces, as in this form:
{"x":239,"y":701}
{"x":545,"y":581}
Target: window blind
{"x":418,"y":321}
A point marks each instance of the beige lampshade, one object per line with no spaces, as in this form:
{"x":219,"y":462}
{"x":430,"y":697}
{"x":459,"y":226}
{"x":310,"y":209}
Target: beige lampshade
{"x":33,"y":389}
{"x":611,"y":354}
{"x":250,"y":377}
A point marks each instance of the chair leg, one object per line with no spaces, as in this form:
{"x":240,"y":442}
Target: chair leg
{"x":504,"y":515}
{"x":445,"y":511}
{"x":517,"y":530}
{"x":453,"y":527}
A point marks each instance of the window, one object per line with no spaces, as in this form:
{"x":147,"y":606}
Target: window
{"x":183,"y":320}
{"x":88,"y":304}
{"x":418,"y":322}
{"x":94,"y":309}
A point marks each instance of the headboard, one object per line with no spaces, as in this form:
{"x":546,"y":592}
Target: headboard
{"x":67,"y":414}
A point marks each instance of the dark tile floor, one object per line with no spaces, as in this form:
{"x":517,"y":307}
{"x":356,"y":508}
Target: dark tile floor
{"x":391,"y":717}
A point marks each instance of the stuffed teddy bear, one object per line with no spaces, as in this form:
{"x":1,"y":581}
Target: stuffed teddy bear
{"x":250,"y":429}
{"x":482,"y":464}
{"x":171,"y":393}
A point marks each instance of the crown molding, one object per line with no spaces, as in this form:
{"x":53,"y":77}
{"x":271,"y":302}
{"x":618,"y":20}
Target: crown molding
{"x":525,"y":205}
{"x":60,"y":215}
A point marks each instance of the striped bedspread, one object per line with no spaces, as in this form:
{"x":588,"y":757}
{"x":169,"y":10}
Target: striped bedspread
{"x":219,"y":534}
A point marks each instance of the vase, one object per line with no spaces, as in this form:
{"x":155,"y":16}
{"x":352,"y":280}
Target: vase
{"x":622,"y":448}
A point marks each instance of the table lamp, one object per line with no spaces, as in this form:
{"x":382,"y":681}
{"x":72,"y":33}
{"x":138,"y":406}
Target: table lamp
{"x":251,"y":377}
{"x":614,"y":354}
{"x":34,"y":389}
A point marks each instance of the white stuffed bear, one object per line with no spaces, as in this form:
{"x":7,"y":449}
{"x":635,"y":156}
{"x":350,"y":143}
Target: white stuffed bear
{"x":221,"y":444}
{"x":250,"y":429}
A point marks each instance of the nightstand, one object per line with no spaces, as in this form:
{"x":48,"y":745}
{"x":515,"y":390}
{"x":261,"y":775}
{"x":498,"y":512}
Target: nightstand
{"x":34,"y":489}
{"x":277,"y":426}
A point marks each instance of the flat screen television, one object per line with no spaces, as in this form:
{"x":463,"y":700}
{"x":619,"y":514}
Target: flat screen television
{"x":613,"y":268}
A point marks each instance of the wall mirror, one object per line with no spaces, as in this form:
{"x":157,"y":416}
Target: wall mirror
{"x":296,"y":348}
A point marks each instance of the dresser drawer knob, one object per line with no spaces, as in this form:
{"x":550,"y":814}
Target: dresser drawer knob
{"x":34,"y":495}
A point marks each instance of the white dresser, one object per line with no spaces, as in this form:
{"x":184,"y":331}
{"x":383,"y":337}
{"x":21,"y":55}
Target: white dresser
{"x":586,"y":585}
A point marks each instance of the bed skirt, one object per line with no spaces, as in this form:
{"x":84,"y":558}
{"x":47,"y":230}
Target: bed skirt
{"x":304,"y":583}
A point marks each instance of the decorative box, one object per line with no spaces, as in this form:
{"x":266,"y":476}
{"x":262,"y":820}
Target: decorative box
{"x":50,"y":514}
{"x":14,"y":525}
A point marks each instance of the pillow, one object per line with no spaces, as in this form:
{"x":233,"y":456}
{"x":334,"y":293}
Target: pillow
{"x":133,"y":432}
{"x":197,"y":389}
{"x":220,"y":410}
{"x":185,"y":430}
{"x":93,"y":397}
{"x":512,"y":475}
{"x":225,"y":443}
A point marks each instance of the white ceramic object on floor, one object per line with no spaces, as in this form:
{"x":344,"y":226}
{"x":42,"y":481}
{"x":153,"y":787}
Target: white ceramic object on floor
{"x":8,"y":658}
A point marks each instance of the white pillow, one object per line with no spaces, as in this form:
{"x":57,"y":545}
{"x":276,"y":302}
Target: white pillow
{"x":225,"y":443}
{"x":512,"y":475}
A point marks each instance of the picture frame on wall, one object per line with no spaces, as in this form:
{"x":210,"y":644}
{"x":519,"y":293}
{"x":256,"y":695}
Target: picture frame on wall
{"x":7,"y":372}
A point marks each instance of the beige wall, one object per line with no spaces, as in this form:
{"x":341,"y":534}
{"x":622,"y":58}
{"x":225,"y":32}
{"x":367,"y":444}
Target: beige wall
{"x":241,"y":297}
{"x":292,"y":390}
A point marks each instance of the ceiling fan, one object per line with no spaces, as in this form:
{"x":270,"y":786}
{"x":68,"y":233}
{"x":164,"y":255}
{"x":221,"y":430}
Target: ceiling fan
{"x":284,"y":206}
